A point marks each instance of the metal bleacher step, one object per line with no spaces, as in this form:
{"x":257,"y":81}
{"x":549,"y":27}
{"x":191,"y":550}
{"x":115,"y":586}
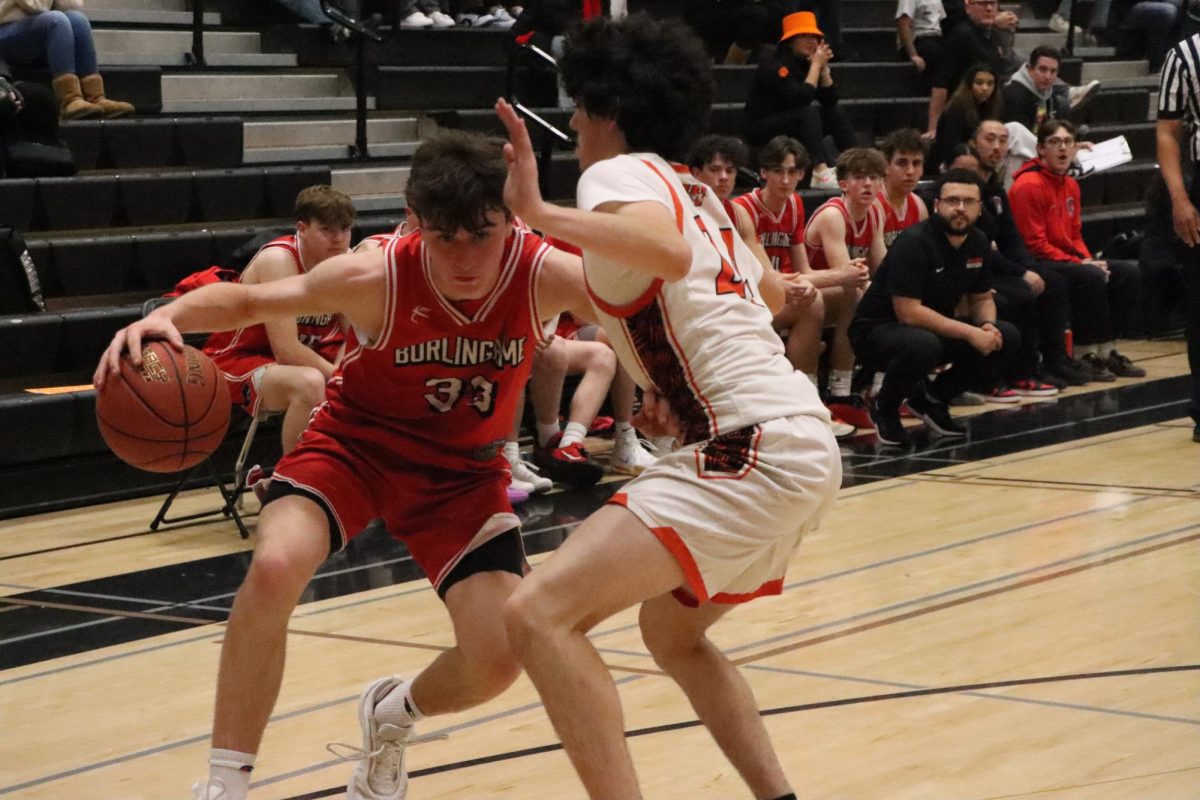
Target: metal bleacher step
{"x":373,"y":188}
{"x":268,"y":92}
{"x":171,"y":48}
{"x":279,"y":141}
{"x":148,"y":16}
{"x":1107,"y":71}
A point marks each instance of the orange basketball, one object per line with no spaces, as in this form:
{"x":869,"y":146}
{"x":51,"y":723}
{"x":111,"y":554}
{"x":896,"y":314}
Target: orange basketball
{"x":167,"y":415}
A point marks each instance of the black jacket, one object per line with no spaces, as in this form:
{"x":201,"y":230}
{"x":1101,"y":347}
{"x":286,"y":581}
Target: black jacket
{"x":1021,"y":105}
{"x":779,"y":85}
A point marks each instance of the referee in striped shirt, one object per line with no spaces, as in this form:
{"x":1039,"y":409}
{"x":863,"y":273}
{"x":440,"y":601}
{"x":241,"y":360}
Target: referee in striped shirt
{"x":1179,"y":113}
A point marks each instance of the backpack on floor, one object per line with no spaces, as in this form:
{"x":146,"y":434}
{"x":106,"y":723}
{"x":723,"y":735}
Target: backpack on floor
{"x":20,"y":287}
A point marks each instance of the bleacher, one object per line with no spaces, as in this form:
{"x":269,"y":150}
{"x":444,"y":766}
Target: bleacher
{"x":217,"y":153}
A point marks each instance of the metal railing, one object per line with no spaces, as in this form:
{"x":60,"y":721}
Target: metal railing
{"x":551,"y":136}
{"x":360,"y":33}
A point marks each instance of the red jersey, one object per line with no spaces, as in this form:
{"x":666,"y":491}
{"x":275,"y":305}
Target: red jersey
{"x":858,"y":238}
{"x":440,"y":384}
{"x":319,"y":332}
{"x":776,"y":232}
{"x":893,"y":224}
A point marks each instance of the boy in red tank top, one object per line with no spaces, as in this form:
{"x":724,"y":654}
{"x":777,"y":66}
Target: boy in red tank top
{"x":442,"y":327}
{"x":844,"y":241}
{"x":282,"y":365}
{"x":904,"y":151}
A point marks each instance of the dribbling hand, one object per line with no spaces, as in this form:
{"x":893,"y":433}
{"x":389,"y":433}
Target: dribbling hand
{"x":129,"y":340}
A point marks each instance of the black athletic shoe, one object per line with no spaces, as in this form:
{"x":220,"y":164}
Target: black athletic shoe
{"x":1098,"y":367}
{"x":936,"y":416}
{"x":888,"y":426}
{"x":1122,"y":367}
{"x":1068,"y":371}
{"x":570,"y":465}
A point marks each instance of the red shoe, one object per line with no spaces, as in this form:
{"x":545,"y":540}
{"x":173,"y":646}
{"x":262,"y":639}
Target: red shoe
{"x":850,"y":409}
{"x":601,"y":426}
{"x":1035,"y":388}
{"x":570,"y":465}
{"x":1003,"y":394}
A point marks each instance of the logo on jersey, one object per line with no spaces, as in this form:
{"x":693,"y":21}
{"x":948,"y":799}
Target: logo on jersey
{"x":776,"y":239}
{"x":974,"y":263}
{"x":462,"y":351}
{"x":1070,"y":206}
{"x":696,"y":191}
{"x":420,"y":312}
{"x":316,"y":320}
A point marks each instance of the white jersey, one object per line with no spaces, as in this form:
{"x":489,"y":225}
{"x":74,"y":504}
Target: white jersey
{"x":704,"y":342}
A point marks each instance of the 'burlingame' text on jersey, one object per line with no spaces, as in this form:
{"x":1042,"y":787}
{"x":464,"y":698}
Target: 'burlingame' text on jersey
{"x":858,"y":234}
{"x":442,"y":379}
{"x":704,"y":342}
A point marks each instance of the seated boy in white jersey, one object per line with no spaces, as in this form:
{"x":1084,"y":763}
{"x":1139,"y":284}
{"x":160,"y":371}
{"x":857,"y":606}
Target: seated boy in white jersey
{"x":844,"y":242}
{"x":901,"y":207}
{"x":777,"y":214}
{"x":688,"y":308}
{"x":283,"y":365}
{"x":442,"y":327}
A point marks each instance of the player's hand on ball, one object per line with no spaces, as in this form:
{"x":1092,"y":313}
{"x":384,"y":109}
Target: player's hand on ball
{"x":129,"y":340}
{"x":656,"y":417}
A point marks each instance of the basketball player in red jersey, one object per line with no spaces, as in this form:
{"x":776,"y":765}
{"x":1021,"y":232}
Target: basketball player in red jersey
{"x":844,"y":240}
{"x":283,"y":364}
{"x":688,"y":310}
{"x":904,"y":151}
{"x":443,"y":324}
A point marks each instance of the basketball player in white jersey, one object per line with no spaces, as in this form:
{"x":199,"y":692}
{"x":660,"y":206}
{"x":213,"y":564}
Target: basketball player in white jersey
{"x":688,"y":309}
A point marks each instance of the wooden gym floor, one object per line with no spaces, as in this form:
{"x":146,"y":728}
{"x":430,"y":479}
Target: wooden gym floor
{"x":1013,"y":616}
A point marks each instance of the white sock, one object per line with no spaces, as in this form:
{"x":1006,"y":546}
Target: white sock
{"x":812,"y":376}
{"x":839,"y":382}
{"x":232,"y":769}
{"x":546,"y":431}
{"x":622,"y":427}
{"x":877,"y":383}
{"x":574,"y":433}
{"x":398,"y":707}
{"x":512,"y":452}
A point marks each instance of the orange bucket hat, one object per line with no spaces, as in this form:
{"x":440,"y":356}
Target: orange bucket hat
{"x":798,"y":23}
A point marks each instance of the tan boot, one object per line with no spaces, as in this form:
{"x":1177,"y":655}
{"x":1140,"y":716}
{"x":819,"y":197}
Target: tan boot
{"x":71,"y":104}
{"x":737,"y":55}
{"x":93,"y":92}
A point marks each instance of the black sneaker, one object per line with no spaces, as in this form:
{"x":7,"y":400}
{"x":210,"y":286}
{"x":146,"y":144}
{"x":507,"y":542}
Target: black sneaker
{"x":1097,"y":368}
{"x":1122,"y":367}
{"x":888,"y":427}
{"x":570,"y":465}
{"x":1046,"y":376}
{"x":935,"y":415}
{"x":1067,"y":371}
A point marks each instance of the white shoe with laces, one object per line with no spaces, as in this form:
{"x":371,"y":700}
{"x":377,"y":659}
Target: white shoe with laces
{"x":441,"y":20}
{"x":630,"y":456}
{"x":529,"y":477}
{"x":380,"y":774}
{"x":416,"y":19}
{"x":501,"y":18}
{"x":212,"y":789}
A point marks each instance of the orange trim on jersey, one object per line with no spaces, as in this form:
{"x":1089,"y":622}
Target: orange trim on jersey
{"x":714,"y":429}
{"x":751,"y":461}
{"x":679,"y":218}
{"x":630,"y":308}
{"x":535,"y":311}
{"x":675,"y":545}
{"x":733,"y":598}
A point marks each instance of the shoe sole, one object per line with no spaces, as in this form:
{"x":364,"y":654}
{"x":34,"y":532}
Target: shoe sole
{"x":370,"y":695}
{"x":938,"y":429}
{"x":897,"y":442}
{"x":1037,"y":392}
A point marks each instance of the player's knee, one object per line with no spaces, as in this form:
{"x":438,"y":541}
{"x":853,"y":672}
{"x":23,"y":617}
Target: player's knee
{"x":310,"y":388}
{"x":526,"y":618}
{"x":278,"y":573}
{"x":494,"y":670}
{"x":667,"y":648}
{"x":603,"y":361}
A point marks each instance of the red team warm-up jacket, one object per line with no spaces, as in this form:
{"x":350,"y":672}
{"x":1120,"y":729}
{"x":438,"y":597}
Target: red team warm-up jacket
{"x":1045,"y":208}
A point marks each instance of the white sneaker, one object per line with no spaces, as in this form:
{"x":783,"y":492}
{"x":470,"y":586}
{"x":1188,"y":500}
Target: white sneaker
{"x":416,"y":19}
{"x":1059,"y":25}
{"x":501,"y":18}
{"x":528,"y":477}
{"x":212,"y":789}
{"x":475,"y":20}
{"x":1080,"y":95}
{"x":441,"y":20}
{"x":380,"y":773}
{"x":824,"y":180}
{"x":630,"y":456}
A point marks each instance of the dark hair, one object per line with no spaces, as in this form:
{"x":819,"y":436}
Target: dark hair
{"x":706,"y":148}
{"x":1051,"y":126}
{"x":964,"y":100}
{"x":1044,"y":51}
{"x":904,"y":140}
{"x":965,"y":176}
{"x":325,"y":205}
{"x":651,"y":77}
{"x":958,"y":150}
{"x":860,"y":160}
{"x":456,"y":179}
{"x":772,"y":154}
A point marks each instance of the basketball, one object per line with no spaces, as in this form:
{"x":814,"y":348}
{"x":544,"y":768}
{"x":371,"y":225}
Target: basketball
{"x":167,"y":415}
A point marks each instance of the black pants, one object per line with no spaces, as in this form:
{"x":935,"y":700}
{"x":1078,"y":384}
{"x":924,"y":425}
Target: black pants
{"x":739,"y":22}
{"x":1101,"y":309}
{"x":810,"y":125}
{"x":1042,"y":319}
{"x":907,"y":354}
{"x":1190,"y":258}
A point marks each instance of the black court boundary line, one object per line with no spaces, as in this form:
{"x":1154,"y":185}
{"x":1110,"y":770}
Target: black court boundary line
{"x":1074,"y":486}
{"x":772,"y":712}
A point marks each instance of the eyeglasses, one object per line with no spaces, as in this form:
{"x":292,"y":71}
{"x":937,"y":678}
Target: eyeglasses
{"x":958,"y":202}
{"x":1060,"y":142}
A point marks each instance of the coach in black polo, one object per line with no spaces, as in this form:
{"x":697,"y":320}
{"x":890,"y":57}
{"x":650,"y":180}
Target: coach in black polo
{"x":1179,"y":111}
{"x":906,"y":323}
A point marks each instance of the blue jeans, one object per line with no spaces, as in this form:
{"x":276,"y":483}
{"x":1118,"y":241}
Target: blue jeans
{"x":1148,"y":30}
{"x":62,"y":39}
{"x":308,"y":10}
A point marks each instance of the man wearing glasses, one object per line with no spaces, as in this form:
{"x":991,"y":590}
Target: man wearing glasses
{"x":906,"y":322}
{"x":1105,"y":295}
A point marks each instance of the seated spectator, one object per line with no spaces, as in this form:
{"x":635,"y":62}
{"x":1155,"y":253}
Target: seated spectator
{"x":283,"y":366}
{"x":732,"y":30}
{"x":29,"y":143}
{"x":906,"y":321}
{"x":57,"y":34}
{"x":1105,"y":295}
{"x":785,"y":86}
{"x":977,"y":98}
{"x":1034,"y":93}
{"x":828,"y":16}
{"x":1097,"y":21}
{"x":1147,"y":29}
{"x":844,"y":244}
{"x":975,"y":40}
{"x":919,"y":33}
{"x":417,"y":14}
{"x":904,"y":151}
{"x":1033,"y":291}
